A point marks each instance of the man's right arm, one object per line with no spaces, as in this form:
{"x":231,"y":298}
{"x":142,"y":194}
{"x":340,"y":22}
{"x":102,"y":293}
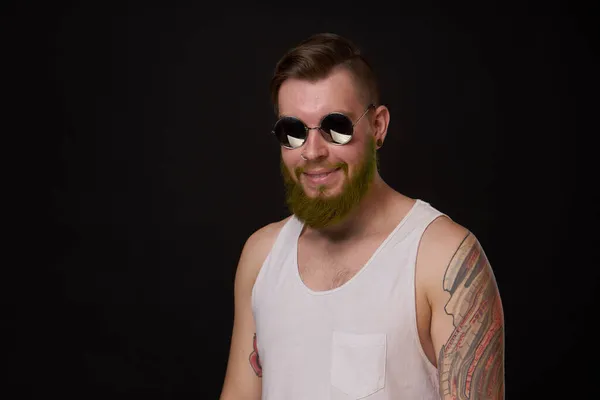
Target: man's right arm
{"x":243,"y":375}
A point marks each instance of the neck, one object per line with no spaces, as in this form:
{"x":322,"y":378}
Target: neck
{"x":366,"y":215}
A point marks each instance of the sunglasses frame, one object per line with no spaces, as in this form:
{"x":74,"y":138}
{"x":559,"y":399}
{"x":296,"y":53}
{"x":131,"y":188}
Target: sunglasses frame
{"x":308,"y":129}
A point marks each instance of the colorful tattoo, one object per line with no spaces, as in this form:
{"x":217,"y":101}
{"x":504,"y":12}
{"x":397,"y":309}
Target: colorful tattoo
{"x":255,"y":359}
{"x":471,"y":363}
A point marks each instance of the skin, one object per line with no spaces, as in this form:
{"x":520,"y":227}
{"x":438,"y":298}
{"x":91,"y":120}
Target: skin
{"x":459,"y":312}
{"x":326,"y":210}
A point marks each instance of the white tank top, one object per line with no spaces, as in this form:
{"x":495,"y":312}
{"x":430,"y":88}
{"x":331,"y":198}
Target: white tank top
{"x":358,"y":341}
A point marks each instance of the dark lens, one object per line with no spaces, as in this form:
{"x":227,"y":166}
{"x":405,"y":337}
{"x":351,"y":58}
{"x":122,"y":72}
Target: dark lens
{"x":290,"y":132}
{"x":338,"y":127}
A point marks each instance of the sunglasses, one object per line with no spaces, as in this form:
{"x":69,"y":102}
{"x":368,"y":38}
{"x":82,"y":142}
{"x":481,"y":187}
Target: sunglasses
{"x":336,"y":128}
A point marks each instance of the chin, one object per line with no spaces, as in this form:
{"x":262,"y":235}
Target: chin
{"x":325,"y":192}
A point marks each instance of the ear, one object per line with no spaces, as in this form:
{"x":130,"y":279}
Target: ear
{"x":381,"y":121}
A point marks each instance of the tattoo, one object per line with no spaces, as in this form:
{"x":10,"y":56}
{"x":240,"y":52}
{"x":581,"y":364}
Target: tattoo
{"x":255,"y":359}
{"x":471,"y":363}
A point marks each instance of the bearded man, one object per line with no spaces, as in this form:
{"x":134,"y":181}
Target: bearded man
{"x":362,"y":292}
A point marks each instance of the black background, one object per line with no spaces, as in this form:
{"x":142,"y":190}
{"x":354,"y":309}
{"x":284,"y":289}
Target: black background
{"x":144,"y":161}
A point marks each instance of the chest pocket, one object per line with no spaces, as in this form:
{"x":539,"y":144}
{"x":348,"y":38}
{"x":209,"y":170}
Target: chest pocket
{"x":358,"y":363}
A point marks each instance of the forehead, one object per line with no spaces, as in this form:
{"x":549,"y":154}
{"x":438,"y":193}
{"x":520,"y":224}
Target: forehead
{"x":310,"y":100}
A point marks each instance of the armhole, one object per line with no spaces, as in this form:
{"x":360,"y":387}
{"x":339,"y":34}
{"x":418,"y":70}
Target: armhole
{"x":431,"y":368}
{"x":258,"y":279}
{"x":265,"y":265}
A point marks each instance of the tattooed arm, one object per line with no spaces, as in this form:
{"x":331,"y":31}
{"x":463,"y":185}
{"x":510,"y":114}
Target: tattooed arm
{"x":244,"y":372}
{"x":467,"y":320}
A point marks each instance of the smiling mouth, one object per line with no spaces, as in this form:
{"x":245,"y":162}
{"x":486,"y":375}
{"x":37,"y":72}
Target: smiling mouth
{"x":321,"y":175}
{"x":318,"y":177}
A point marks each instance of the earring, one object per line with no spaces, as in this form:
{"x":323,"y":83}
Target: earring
{"x":379,"y":142}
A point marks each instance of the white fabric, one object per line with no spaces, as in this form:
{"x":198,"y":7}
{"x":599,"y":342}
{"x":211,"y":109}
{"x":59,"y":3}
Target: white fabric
{"x":358,"y":341}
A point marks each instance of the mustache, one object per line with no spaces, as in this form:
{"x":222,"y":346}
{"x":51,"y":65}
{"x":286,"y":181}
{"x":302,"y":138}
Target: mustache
{"x":299,"y":170}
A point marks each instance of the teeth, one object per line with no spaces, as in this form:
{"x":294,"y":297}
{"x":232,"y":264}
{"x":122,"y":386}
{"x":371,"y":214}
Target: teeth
{"x":319,"y":176}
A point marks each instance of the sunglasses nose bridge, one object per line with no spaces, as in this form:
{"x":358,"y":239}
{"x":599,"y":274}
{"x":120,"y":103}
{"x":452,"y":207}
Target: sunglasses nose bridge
{"x":322,"y":133}
{"x":315,"y":146}
{"x":316,"y":128}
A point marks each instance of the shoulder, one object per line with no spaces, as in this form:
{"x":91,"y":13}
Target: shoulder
{"x":439,"y":245}
{"x":263,"y":239}
{"x":446,"y":252}
{"x":442,"y":238}
{"x":256,"y":248}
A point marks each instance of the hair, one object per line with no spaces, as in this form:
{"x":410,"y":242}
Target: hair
{"x":316,"y":57}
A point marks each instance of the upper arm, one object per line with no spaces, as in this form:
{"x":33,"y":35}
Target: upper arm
{"x":243,"y":374}
{"x":467,"y":319}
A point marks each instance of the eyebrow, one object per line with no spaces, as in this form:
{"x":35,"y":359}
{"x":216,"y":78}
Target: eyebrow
{"x":348,"y":113}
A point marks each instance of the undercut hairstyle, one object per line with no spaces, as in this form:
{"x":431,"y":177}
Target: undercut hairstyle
{"x":318,"y":56}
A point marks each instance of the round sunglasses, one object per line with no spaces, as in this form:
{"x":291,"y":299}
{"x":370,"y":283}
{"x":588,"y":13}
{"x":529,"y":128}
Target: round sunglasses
{"x":336,"y":128}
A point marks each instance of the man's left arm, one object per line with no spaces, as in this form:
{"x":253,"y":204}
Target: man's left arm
{"x":467,"y":319}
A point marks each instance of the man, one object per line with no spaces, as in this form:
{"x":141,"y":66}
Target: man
{"x":362,"y":293}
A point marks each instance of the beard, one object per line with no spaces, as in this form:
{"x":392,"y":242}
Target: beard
{"x":323,"y":211}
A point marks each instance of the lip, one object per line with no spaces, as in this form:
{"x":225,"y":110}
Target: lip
{"x":320,"y":171}
{"x":319,"y":176}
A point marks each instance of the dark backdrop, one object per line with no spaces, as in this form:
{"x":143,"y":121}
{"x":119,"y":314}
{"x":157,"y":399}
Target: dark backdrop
{"x":146,"y":162}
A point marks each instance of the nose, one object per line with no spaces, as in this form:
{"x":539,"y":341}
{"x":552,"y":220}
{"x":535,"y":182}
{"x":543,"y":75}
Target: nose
{"x":315,"y":147}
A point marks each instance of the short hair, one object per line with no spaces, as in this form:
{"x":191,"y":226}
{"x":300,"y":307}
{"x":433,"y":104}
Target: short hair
{"x":318,"y":56}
